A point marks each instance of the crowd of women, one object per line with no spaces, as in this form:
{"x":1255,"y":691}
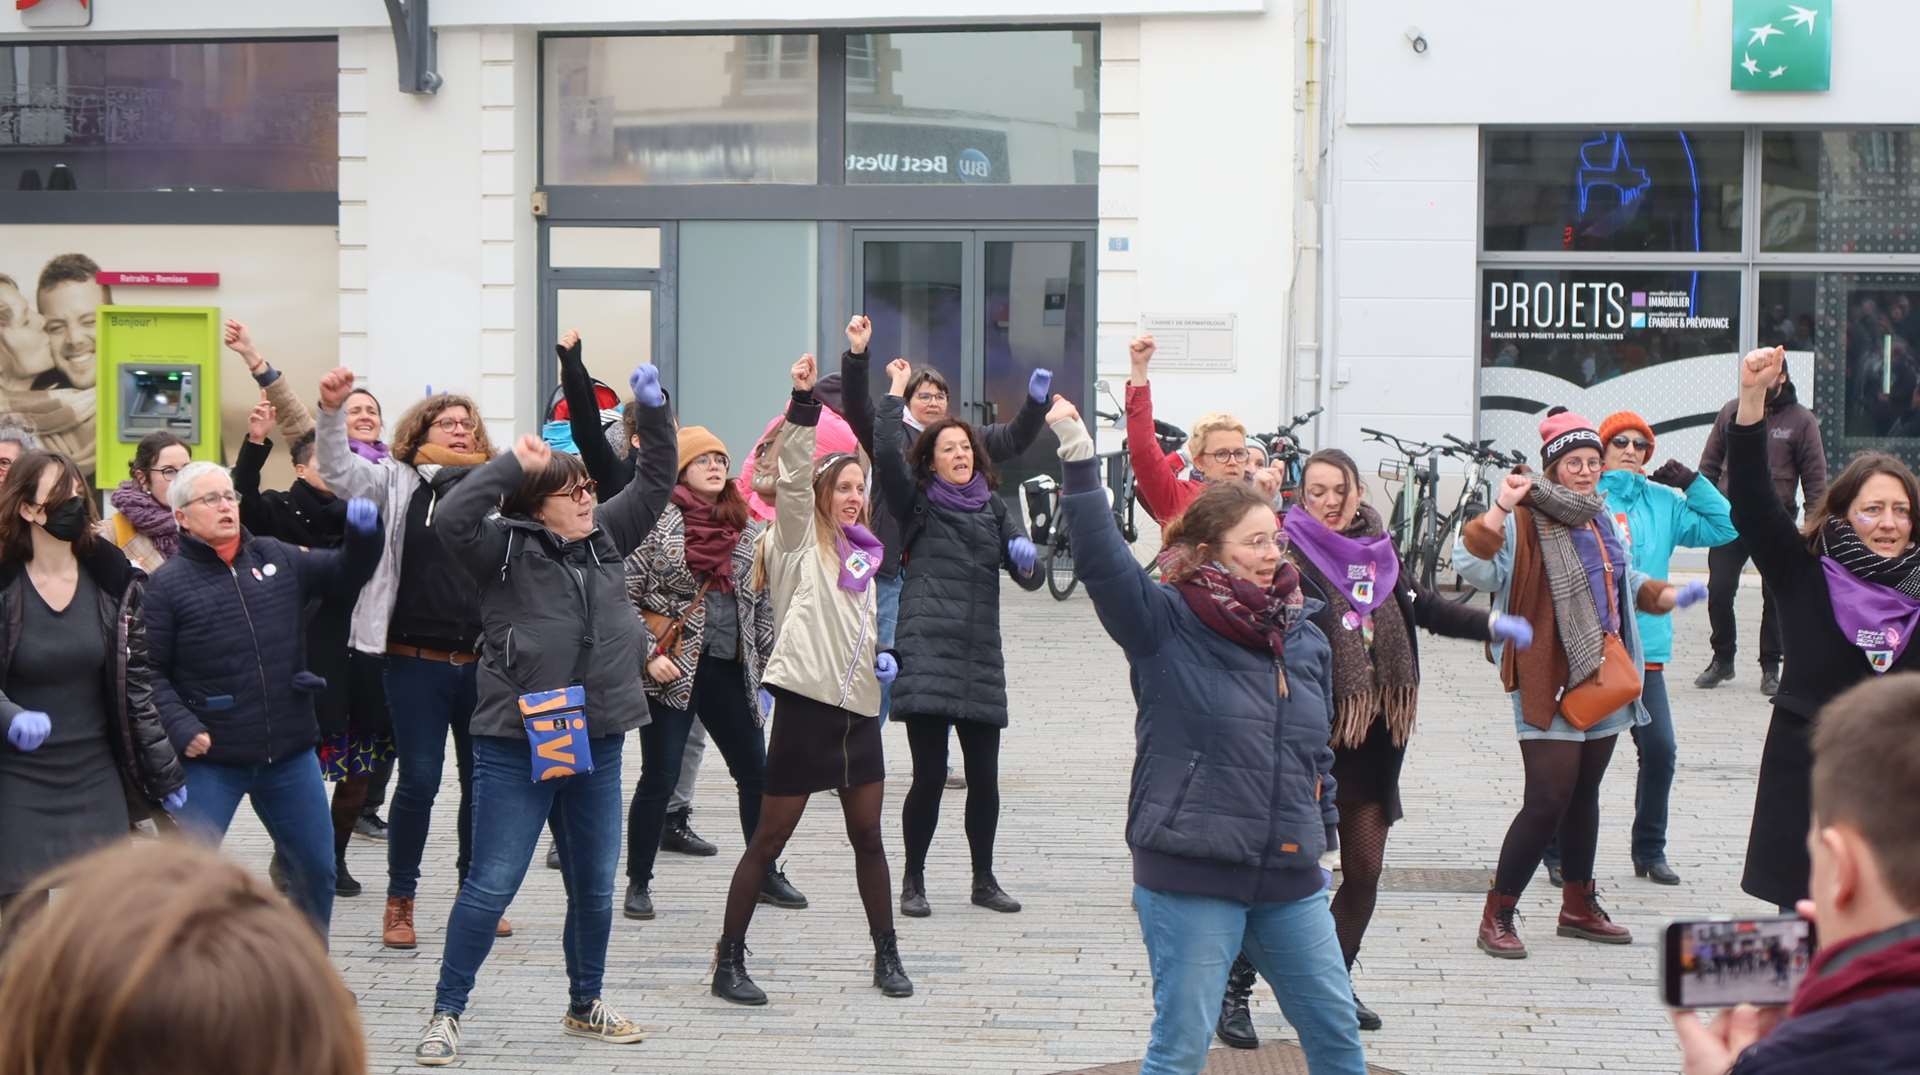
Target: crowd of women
{"x":538,"y":604}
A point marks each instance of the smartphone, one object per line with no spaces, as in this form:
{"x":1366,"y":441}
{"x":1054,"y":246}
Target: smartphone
{"x":1721,"y":962}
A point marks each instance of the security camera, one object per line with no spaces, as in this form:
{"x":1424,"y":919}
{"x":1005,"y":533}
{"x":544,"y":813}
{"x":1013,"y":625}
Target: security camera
{"x":1417,"y":39}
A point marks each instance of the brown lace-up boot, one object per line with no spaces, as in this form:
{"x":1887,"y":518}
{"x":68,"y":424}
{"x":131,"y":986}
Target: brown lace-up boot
{"x":1581,"y":916}
{"x":396,"y":931}
{"x":1498,"y":937}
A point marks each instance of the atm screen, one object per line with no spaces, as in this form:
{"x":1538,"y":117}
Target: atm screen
{"x":157,"y":395}
{"x":158,"y":398}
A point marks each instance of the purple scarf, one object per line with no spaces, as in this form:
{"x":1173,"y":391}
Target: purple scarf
{"x":371,"y":451}
{"x":860,"y":555}
{"x":1878,"y":619}
{"x":969,"y":497}
{"x":151,"y":518}
{"x":1364,"y":567}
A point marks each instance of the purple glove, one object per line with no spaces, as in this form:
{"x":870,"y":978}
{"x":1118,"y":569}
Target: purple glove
{"x":362,"y":517}
{"x":175,"y":800}
{"x":766,"y":702}
{"x":645,"y":383}
{"x":885,"y":668}
{"x":1691,"y":594}
{"x":1039,"y":384}
{"x":1021,"y":551}
{"x":1512,"y":629}
{"x":29,"y":729}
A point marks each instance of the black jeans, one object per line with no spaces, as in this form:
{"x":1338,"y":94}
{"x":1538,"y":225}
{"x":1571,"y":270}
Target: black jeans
{"x":720,"y":701}
{"x":1724,"y":564}
{"x":920,"y":815}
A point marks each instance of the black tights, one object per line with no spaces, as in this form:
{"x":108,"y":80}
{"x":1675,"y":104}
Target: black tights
{"x":1363,"y":847}
{"x":1563,"y":793}
{"x":980,"y":749}
{"x":779,"y":816}
{"x":349,"y":798}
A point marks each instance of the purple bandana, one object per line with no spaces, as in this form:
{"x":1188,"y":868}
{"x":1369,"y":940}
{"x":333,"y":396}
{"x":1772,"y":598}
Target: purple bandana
{"x":860,"y":554}
{"x":1365,"y":568}
{"x":1878,"y":619}
{"x":969,"y":497}
{"x":372,"y":452}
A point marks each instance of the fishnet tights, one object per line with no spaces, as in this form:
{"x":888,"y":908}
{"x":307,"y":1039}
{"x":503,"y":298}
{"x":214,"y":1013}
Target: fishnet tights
{"x":1363,"y":848}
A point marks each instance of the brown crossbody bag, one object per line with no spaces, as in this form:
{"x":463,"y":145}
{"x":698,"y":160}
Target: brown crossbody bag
{"x":1616,"y":682}
{"x":667,"y":630}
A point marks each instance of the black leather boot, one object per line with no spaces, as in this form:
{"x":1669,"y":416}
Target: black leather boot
{"x":1769,"y":678}
{"x":1717,"y":672}
{"x":343,"y":882}
{"x":1369,"y":1019}
{"x":1235,"y":1027}
{"x":988,"y":893}
{"x":639,"y":902}
{"x":730,"y":981}
{"x":913,"y":896}
{"x":889,"y":977}
{"x":777,"y":890}
{"x":678,"y":835}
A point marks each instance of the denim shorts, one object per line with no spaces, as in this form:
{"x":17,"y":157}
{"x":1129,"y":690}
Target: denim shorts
{"x":1615,"y":723}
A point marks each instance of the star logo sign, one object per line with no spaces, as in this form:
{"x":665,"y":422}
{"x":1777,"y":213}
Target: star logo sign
{"x":1750,"y":66}
{"x":1802,"y":17}
{"x":1761,"y":33}
{"x":1780,"y":46}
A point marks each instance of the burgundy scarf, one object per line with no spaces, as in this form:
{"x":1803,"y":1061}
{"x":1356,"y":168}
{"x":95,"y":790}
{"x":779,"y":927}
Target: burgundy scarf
{"x":1243,"y":612}
{"x":710,"y":542}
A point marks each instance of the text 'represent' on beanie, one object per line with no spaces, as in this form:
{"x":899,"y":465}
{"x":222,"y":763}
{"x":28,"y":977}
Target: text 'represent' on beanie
{"x":1562,"y":431}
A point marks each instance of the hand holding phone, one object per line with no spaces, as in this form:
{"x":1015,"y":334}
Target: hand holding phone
{"x":1720,"y":963}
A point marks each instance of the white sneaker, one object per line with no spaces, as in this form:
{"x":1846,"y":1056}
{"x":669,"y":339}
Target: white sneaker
{"x":440,"y":1045}
{"x":603,"y":1024}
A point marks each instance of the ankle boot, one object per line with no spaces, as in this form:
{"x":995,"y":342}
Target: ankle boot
{"x":988,"y":893}
{"x":1498,"y":937}
{"x":396,"y":927}
{"x":1582,"y":916}
{"x":730,"y":981}
{"x":1234,"y":1028}
{"x":889,"y":977}
{"x":913,"y":896}
{"x":343,"y":882}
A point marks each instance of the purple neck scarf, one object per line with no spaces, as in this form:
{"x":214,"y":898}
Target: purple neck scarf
{"x":969,"y":497}
{"x":1878,"y":619}
{"x":1364,"y":567}
{"x":151,"y":518}
{"x":371,"y":451}
{"x":860,"y":555}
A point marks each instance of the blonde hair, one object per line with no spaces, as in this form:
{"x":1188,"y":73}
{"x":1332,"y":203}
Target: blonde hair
{"x":1214,"y":422}
{"x":826,"y":533}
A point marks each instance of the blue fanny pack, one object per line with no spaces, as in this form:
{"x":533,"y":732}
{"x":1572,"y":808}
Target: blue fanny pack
{"x":556,"y":724}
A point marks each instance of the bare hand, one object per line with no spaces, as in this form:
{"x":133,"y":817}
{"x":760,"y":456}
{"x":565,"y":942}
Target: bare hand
{"x":241,"y":343}
{"x":532,"y":452}
{"x":662,"y":669}
{"x":200,"y":745}
{"x":1711,"y":1049}
{"x":1061,"y":410}
{"x":1761,"y":368}
{"x":859,"y":332}
{"x":1513,"y":489}
{"x":570,"y":339}
{"x":899,"y":371}
{"x":335,"y":386}
{"x":1140,"y":354}
{"x":804,"y":373}
{"x":260,"y":421}
{"x":1267,"y":480}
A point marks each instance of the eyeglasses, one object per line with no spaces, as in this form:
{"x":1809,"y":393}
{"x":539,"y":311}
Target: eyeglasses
{"x":168,"y":473}
{"x":1581,"y":466}
{"x":582,"y":493}
{"x":929,"y":397}
{"x":455,"y":425}
{"x":1228,"y":455}
{"x":225,"y":496}
{"x":1638,"y":445}
{"x":1262,"y":542}
{"x":710,"y":459}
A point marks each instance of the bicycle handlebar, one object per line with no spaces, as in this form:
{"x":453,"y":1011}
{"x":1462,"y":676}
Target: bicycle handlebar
{"x":1412,"y":449}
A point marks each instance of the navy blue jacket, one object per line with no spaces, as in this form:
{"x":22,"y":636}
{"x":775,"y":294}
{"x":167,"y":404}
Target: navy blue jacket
{"x":1232,"y":793}
{"x":228,"y":644}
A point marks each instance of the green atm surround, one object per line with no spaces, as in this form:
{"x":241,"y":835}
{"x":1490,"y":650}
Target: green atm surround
{"x":159,"y":369}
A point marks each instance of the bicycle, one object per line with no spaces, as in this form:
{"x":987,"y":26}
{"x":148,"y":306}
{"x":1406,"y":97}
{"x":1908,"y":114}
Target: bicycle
{"x":1284,"y":450}
{"x":1476,"y":496}
{"x":1416,"y":511}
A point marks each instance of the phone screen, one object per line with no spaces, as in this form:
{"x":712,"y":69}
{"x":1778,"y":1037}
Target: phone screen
{"x":1723,"y":962}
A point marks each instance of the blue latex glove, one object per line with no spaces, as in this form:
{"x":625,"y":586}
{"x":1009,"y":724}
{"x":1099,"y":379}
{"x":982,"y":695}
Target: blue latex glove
{"x":645,"y":383}
{"x":1039,"y":384}
{"x":766,"y":701}
{"x":175,"y":801}
{"x":1512,"y":629}
{"x":29,"y":729}
{"x":1691,"y":594}
{"x":885,"y":668}
{"x":1022,"y":553}
{"x":362,"y":517}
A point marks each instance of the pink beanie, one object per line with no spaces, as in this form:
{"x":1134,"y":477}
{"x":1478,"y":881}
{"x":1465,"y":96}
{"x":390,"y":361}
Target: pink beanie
{"x":832,"y":435}
{"x":1561,"y":431}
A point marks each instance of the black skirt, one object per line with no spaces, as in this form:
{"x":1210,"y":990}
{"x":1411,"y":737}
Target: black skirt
{"x":1370,"y":772}
{"x":819,"y":747}
{"x":1777,"y":862}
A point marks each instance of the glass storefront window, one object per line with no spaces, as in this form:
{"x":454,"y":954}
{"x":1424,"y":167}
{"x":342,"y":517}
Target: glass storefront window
{"x":928,"y":108}
{"x":1863,"y":331}
{"x":1666,"y":191}
{"x":668,"y":110}
{"x":750,"y":299}
{"x":1840,"y":192}
{"x":216,"y":115}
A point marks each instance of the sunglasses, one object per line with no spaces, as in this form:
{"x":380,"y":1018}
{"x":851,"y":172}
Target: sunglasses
{"x":580,"y":494}
{"x":1637,"y":444}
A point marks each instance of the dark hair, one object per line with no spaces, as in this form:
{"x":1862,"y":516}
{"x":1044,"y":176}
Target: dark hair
{"x":563,"y":469}
{"x":302,"y":449}
{"x":1866,"y":763}
{"x":147,"y":453}
{"x":23,"y":482}
{"x":411,"y":431}
{"x":70,"y":269}
{"x":1841,"y":491}
{"x":1221,"y":508}
{"x":920,"y":456}
{"x":369,"y":394}
{"x":1334,"y":457}
{"x":926,"y":375}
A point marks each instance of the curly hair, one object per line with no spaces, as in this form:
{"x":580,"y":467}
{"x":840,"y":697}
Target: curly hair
{"x":920,"y":456}
{"x":411,"y":431}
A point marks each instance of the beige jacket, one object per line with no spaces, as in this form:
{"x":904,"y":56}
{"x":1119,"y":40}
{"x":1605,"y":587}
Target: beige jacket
{"x":824,"y":642}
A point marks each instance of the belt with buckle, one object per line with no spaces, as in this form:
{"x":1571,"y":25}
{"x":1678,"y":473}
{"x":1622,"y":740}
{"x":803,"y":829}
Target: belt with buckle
{"x":424,"y":654}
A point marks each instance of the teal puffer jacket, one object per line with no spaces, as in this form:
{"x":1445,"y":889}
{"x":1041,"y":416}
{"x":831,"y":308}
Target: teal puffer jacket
{"x":1655,"y":519}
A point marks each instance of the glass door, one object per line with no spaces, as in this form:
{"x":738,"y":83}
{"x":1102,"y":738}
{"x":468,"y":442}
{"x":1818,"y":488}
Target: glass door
{"x":914,"y":287}
{"x":609,"y":283}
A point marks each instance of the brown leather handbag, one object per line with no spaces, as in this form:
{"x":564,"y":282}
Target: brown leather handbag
{"x":667,"y":630}
{"x":1616,"y":682}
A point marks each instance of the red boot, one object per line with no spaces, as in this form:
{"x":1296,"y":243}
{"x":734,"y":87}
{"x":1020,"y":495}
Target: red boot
{"x":1581,"y":916}
{"x":1498,"y":938}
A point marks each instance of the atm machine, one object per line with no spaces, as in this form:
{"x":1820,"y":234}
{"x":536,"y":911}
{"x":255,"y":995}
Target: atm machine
{"x":159,"y":370}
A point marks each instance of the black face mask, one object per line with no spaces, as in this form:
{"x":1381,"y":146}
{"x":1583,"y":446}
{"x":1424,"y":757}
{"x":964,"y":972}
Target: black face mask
{"x":67,"y":519}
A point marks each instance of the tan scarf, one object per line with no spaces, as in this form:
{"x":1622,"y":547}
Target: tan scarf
{"x":447,"y":457}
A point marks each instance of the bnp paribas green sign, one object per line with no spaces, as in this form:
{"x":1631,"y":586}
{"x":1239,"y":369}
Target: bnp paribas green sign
{"x":1780,"y":47}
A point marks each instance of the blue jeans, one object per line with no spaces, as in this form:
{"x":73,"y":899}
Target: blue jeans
{"x":509,"y":812}
{"x":428,"y":699}
{"x":1655,"y":785}
{"x":290,"y":798}
{"x":1191,"y":941}
{"x":887,"y":597}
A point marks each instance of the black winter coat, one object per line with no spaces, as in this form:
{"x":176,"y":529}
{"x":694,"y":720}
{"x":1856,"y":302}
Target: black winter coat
{"x":229,"y":642}
{"x":948,"y":640}
{"x":555,"y":613}
{"x":148,"y":764}
{"x":1003,"y":441}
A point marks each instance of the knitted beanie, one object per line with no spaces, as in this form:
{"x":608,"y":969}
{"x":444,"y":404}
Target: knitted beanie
{"x":1621,"y":422}
{"x":696,"y":441}
{"x":1561,"y":431}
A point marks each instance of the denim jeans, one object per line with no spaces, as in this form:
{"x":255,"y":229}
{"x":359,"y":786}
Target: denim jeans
{"x":428,"y":699}
{"x":887,"y":597}
{"x":290,"y":798}
{"x":689,"y":769}
{"x":509,"y":811}
{"x":1191,"y":941}
{"x":1655,"y":784}
{"x":720,"y":698}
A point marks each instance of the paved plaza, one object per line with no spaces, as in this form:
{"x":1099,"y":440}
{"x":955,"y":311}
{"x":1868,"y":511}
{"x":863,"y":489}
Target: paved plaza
{"x":1064,"y":984}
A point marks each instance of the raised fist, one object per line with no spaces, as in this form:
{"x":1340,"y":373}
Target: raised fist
{"x":1760,"y":367}
{"x":260,"y":421}
{"x":335,"y":386}
{"x":804,"y":373}
{"x":1513,"y":490}
{"x":1062,"y":408}
{"x":899,"y":371}
{"x":859,"y":331}
{"x":532,"y":452}
{"x":1140,"y":351}
{"x":645,"y":382}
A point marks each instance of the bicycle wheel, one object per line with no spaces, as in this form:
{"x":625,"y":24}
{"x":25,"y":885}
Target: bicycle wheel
{"x":1060,"y":575}
{"x":1418,"y":555}
{"x":1462,"y":590}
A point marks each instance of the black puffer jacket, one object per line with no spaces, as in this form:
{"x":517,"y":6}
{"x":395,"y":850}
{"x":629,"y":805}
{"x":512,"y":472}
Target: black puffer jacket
{"x":147,"y":762}
{"x":949,"y":636}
